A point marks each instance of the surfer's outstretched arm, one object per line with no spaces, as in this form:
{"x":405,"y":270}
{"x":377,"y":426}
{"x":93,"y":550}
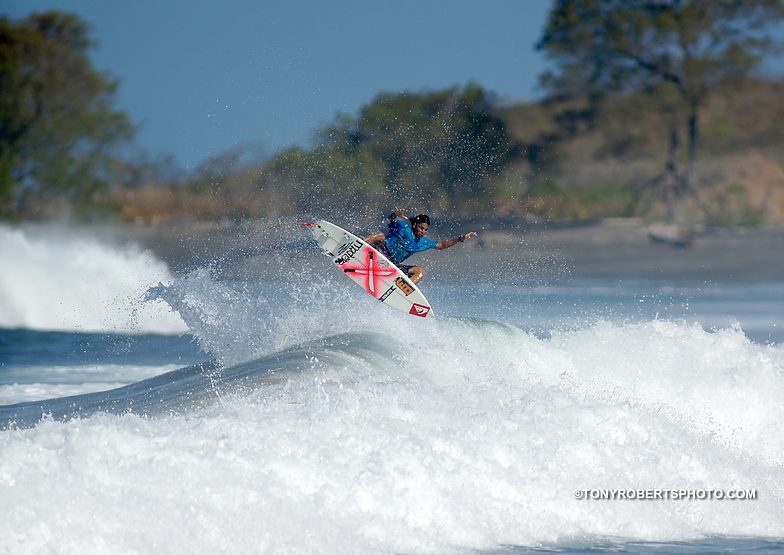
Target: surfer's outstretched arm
{"x":452,"y":242}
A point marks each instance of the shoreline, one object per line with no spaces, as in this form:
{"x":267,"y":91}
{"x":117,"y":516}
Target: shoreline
{"x":613,"y":249}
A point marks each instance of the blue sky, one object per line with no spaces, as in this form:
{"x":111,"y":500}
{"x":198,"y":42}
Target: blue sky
{"x":200,"y":77}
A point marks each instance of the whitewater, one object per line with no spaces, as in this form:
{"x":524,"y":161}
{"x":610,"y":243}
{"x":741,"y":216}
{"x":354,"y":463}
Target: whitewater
{"x":289,"y":413}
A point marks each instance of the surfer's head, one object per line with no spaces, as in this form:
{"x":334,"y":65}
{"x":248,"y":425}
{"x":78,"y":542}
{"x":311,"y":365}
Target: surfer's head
{"x":420,"y":224}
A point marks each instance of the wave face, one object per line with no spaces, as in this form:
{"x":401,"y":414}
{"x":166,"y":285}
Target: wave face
{"x":336,"y":427}
{"x":58,"y":280}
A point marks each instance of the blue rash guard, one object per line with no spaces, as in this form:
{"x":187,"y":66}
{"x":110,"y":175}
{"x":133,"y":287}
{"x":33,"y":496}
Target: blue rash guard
{"x":401,"y":242}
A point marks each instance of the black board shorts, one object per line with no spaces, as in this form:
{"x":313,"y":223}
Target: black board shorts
{"x":382,"y":248}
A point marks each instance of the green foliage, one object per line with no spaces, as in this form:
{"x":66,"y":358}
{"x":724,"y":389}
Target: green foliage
{"x":545,"y":188}
{"x":393,"y":152}
{"x":603,"y":45}
{"x":437,"y":149}
{"x":630,"y":80}
{"x":57,"y":129}
{"x":732,"y":207}
{"x":325,"y":178}
{"x":546,"y":198}
{"x":677,"y":51}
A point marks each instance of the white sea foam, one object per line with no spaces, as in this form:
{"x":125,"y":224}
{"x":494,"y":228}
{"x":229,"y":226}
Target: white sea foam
{"x":458,"y":435}
{"x":55,"y":280}
{"x":48,"y":382}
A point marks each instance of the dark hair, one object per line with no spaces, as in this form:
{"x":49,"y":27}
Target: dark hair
{"x":422,"y":218}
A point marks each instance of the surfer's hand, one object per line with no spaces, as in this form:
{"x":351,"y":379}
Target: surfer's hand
{"x":469,"y":235}
{"x":398,"y":213}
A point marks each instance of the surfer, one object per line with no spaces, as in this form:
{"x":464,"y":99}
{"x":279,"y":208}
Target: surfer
{"x":407,"y":236}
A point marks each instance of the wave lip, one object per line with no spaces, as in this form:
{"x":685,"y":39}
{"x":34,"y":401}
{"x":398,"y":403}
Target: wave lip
{"x":59,"y":280}
{"x":199,"y":385}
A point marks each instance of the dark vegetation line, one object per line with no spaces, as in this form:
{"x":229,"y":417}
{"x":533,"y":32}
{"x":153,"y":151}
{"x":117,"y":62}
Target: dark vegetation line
{"x":652,"y":109}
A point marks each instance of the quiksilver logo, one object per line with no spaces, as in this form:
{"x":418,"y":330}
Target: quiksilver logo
{"x":419,"y":310}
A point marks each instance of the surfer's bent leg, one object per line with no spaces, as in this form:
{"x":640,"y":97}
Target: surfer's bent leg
{"x":374,"y":239}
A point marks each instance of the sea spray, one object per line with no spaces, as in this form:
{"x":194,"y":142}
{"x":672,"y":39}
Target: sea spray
{"x":236,"y":321}
{"x":56,"y":279}
{"x":460,"y":434}
{"x":343,"y":427}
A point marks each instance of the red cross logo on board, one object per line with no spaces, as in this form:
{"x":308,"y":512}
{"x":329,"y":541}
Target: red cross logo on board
{"x":371,"y":271}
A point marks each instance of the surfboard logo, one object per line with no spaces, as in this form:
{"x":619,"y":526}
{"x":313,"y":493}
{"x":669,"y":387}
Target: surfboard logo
{"x":347,"y":252}
{"x":404,"y":286}
{"x":419,"y":310}
{"x":371,"y":271}
{"x":386,"y":294}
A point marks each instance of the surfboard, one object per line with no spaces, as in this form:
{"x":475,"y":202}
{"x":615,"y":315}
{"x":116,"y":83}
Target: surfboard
{"x":369,"y":269}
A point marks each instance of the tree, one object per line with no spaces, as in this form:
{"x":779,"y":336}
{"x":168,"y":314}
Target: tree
{"x":58,"y":132}
{"x":324,"y":180}
{"x":446,"y":141}
{"x":681,"y":49}
{"x":437,"y":149}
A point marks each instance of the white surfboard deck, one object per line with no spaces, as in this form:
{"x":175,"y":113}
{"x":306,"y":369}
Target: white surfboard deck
{"x":369,"y":269}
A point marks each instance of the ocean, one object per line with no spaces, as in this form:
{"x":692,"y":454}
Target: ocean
{"x":267,"y":405}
